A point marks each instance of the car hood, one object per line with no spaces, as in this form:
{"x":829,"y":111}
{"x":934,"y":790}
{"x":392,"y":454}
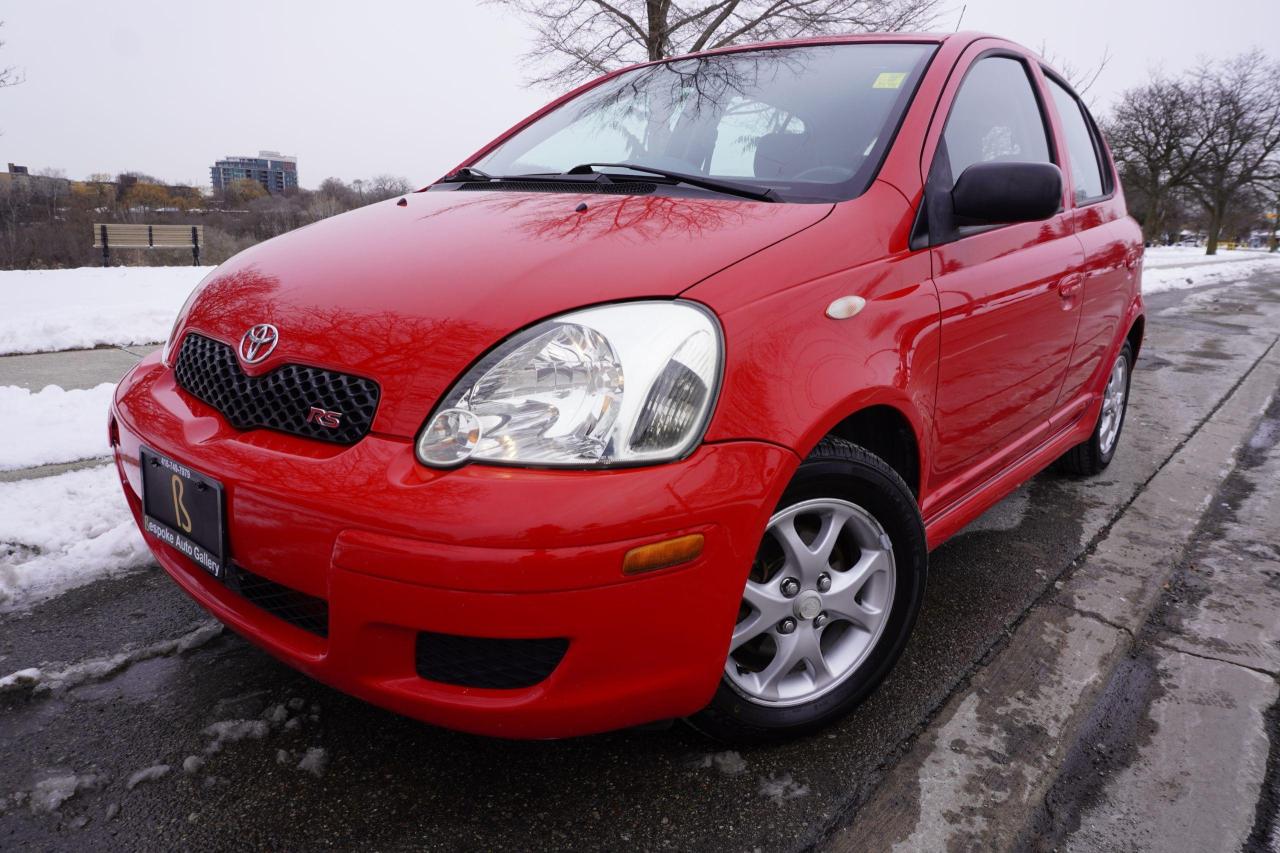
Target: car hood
{"x":410,"y":293}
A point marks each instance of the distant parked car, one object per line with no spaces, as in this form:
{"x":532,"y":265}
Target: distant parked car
{"x":655,"y":406}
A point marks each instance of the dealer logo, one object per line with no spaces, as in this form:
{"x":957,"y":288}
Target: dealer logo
{"x":258,"y":343}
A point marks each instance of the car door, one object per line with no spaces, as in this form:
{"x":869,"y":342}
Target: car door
{"x":1111,"y":243}
{"x":1008,"y":293}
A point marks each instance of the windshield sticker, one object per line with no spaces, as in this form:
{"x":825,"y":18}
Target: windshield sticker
{"x":889,"y":80}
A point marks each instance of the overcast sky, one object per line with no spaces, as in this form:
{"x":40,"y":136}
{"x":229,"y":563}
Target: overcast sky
{"x":411,"y":88}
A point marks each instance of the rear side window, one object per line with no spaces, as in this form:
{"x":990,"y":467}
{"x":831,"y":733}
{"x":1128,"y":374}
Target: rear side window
{"x":995,"y":117}
{"x":1082,"y":151}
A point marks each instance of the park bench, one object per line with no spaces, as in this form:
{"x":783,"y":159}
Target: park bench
{"x":121,"y":236}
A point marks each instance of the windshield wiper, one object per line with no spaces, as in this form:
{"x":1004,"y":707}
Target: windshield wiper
{"x":467,"y":173}
{"x":713,"y":184}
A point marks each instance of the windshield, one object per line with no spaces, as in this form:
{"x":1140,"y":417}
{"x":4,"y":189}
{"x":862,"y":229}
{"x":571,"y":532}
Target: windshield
{"x":809,"y":123}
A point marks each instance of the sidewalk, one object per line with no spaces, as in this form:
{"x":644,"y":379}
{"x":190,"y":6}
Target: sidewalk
{"x":83,"y":368}
{"x":1183,"y":750}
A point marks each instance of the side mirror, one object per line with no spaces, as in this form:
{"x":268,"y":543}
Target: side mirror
{"x":1000,"y":193}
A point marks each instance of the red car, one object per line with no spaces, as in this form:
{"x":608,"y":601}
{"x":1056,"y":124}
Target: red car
{"x":655,"y":407}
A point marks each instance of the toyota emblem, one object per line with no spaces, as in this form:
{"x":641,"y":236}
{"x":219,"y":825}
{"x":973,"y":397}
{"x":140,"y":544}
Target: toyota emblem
{"x":258,"y":343}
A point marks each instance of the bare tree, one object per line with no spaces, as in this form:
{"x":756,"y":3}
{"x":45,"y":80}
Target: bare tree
{"x":1236,"y":130}
{"x":1151,"y":135}
{"x":381,"y":187}
{"x":9,"y":75}
{"x":1080,"y":77}
{"x":576,"y":40}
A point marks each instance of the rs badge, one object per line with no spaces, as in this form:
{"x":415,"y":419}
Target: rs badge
{"x":323,"y":417}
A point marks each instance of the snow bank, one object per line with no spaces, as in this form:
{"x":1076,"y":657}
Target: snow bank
{"x":1180,"y":267}
{"x":81,"y":308}
{"x":53,"y":425}
{"x":60,"y":532}
{"x":1191,"y":256}
{"x":1160,"y":279}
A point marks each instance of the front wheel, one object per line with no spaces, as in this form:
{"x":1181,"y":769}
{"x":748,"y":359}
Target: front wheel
{"x":831,"y":598}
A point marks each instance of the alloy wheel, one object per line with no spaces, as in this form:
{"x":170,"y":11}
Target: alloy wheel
{"x":815,"y":605}
{"x":1114,"y":398}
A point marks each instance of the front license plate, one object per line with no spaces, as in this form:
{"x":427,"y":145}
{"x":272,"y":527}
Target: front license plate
{"x":184,"y":508}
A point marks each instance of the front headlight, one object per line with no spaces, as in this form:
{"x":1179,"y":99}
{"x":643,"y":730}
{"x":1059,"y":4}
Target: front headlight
{"x":618,"y":384}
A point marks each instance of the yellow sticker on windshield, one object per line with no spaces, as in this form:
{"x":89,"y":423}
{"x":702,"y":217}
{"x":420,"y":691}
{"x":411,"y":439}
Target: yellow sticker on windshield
{"x":889,"y":80}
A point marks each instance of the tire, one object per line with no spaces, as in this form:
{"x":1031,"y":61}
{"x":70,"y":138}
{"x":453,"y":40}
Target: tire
{"x":883,"y":586}
{"x":1092,"y":456}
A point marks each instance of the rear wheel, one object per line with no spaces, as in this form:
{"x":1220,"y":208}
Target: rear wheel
{"x":1095,"y":454}
{"x":830,"y":600}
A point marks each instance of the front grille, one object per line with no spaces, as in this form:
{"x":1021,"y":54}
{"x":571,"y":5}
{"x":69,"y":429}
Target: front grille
{"x":621,"y":188}
{"x":297,"y":608}
{"x":279,"y":400}
{"x":489,"y":662}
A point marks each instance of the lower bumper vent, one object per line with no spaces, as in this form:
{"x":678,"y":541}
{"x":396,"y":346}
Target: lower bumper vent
{"x":488,"y":662}
{"x":300,"y":610}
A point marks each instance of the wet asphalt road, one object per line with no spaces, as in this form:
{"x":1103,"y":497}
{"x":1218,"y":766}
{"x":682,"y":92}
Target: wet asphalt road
{"x":391,"y":783}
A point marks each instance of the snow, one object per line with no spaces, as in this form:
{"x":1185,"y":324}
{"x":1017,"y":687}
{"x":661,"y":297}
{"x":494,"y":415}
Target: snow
{"x":780,"y":788}
{"x":730,"y":762}
{"x":61,"y":532}
{"x":315,"y":761}
{"x":1181,"y":267}
{"x":57,"y":787}
{"x":94,"y":669}
{"x":28,"y":677}
{"x":91,"y":306}
{"x":147,"y":774}
{"x":233,"y":731}
{"x":53,"y":425}
{"x":1189,"y":256}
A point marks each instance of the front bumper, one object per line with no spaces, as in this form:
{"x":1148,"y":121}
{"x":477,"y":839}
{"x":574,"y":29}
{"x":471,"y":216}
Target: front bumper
{"x":396,"y":549}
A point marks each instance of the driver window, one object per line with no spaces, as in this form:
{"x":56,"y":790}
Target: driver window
{"x":995,"y":117}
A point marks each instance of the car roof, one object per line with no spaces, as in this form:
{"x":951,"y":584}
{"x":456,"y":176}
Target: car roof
{"x":851,"y":38}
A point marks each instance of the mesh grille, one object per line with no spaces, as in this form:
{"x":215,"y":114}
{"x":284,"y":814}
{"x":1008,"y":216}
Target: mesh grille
{"x":297,"y":608}
{"x":279,"y":400}
{"x":624,"y":188}
{"x":489,"y":662}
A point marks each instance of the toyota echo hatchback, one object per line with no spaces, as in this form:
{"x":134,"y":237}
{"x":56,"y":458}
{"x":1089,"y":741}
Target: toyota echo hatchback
{"x":654,"y":407}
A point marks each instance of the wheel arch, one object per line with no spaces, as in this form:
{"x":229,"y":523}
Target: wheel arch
{"x":1137,"y":328}
{"x":887,"y":427}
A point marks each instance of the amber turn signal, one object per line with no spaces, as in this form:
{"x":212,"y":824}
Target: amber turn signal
{"x":661,"y":555}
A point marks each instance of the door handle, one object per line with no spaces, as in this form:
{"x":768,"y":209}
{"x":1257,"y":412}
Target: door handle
{"x":1069,"y":285}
